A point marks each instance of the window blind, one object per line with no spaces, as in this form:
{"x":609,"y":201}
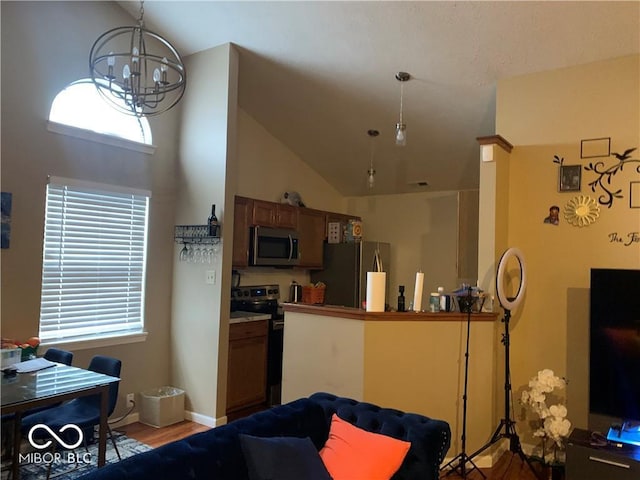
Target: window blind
{"x":94,"y":255}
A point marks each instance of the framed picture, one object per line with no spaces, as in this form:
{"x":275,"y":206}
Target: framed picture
{"x":595,"y":147}
{"x":634,"y":195}
{"x":570,"y":176}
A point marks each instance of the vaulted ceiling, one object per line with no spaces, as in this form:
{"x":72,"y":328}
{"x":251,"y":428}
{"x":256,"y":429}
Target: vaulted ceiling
{"x":318,"y":75}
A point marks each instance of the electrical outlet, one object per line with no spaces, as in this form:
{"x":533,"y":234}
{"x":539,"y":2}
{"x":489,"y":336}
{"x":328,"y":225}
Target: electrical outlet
{"x":211,"y":277}
{"x":130,"y":400}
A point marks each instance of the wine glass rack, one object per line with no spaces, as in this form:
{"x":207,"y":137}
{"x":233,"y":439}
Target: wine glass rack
{"x":188,"y":234}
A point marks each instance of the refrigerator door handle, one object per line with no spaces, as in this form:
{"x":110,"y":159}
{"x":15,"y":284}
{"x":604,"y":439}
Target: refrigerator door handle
{"x":290,"y":247}
{"x":377,"y":262}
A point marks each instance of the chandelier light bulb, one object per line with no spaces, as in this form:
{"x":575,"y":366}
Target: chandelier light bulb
{"x":156,"y":75}
{"x":111,"y":60}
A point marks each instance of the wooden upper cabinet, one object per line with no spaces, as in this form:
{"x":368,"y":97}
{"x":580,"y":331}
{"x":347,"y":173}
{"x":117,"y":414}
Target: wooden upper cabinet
{"x":241,"y":222}
{"x":271,"y":214}
{"x":286,"y":216}
{"x":311,"y":234}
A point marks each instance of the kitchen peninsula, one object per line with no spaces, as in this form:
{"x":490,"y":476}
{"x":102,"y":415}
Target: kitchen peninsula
{"x":405,"y":360}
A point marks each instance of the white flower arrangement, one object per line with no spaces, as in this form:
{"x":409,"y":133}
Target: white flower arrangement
{"x":555,"y":425}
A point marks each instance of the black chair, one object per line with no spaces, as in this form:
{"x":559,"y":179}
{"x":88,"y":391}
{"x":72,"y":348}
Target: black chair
{"x":58,"y":355}
{"x":83,"y":412}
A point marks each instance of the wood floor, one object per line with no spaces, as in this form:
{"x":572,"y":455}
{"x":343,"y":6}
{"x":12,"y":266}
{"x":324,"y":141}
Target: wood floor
{"x":509,"y":467}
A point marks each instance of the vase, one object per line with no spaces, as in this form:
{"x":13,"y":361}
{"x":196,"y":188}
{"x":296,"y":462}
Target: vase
{"x":555,"y":472}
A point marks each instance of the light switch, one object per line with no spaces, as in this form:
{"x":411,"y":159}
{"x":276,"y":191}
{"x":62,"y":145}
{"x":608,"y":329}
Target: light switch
{"x":211,"y":277}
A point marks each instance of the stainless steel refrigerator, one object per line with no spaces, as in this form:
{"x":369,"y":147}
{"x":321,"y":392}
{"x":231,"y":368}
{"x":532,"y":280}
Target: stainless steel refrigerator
{"x":345,"y":271}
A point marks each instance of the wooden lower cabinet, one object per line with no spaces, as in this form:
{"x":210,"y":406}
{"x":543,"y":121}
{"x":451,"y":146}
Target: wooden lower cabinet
{"x":247,"y":366}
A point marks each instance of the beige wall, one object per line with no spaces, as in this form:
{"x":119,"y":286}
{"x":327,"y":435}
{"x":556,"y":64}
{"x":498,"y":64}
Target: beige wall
{"x":544,"y":115}
{"x":199,"y":329}
{"x":415,"y":366}
{"x":422,"y":229}
{"x":34,"y":70}
{"x":267,"y":169}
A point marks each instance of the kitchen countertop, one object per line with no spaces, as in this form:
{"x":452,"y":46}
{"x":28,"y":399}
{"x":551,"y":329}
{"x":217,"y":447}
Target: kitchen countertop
{"x":359,"y":314}
{"x":241,"y":317}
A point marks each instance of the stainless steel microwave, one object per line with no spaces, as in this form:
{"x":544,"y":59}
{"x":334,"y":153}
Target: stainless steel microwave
{"x":273,"y":247}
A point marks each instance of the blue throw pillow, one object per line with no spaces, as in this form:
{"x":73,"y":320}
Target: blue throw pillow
{"x":282,"y":458}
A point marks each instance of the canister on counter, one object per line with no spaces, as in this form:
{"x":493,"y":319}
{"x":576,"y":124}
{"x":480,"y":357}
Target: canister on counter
{"x":434,"y":302}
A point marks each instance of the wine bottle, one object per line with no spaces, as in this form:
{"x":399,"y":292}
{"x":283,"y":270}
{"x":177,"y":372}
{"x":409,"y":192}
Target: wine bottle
{"x":213,"y":222}
{"x":401,"y":299}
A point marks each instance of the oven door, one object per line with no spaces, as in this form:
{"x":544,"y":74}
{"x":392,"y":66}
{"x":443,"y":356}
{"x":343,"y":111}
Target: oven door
{"x":274,"y":247}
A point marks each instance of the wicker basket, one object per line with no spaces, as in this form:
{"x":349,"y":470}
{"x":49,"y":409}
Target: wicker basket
{"x":313,"y":294}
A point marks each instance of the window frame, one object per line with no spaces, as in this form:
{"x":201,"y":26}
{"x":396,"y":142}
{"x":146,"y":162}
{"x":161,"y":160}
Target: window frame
{"x":56,"y":218}
{"x":82,"y":87}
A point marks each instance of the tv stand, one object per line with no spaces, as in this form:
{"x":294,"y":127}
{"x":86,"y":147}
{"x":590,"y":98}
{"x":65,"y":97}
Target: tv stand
{"x":613,"y":461}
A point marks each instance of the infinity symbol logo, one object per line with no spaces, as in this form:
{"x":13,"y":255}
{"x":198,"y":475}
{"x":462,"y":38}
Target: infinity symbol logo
{"x":52,"y":433}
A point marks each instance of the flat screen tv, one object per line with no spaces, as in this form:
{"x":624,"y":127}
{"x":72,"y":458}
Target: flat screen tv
{"x":614,"y":355}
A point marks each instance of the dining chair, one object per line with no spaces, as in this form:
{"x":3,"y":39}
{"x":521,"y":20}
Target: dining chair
{"x":58,"y":355}
{"x":83,"y":412}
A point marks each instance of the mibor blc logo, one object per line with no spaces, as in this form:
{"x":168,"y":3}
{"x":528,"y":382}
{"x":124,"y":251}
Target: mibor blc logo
{"x":55,"y":457}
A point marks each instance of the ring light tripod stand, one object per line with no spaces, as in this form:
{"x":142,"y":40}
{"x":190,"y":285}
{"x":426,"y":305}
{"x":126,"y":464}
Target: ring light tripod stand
{"x":508,"y":304}
{"x":459,"y":462}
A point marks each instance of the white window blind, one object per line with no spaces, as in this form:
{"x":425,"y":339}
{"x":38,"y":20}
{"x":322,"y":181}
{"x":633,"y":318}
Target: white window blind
{"x":94,"y":256}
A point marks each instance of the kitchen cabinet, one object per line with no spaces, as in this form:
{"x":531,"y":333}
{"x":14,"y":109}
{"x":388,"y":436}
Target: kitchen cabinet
{"x":271,"y":214}
{"x":247,"y":364}
{"x":243,"y":209}
{"x":311,"y":234}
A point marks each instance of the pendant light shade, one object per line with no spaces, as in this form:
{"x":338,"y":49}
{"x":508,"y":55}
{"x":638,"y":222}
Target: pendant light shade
{"x":371,"y":173}
{"x":137,"y":71}
{"x":401,"y":127}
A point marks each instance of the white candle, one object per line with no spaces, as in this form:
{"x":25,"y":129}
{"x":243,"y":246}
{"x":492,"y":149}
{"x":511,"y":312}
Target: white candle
{"x":376,"y":291}
{"x":417,"y":293}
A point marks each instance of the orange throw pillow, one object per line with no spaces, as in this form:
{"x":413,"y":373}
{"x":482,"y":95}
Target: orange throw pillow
{"x":355,"y":454}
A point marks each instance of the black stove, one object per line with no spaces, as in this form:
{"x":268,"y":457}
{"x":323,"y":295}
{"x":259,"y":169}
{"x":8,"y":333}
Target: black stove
{"x":256,"y":298}
{"x":264,"y":299}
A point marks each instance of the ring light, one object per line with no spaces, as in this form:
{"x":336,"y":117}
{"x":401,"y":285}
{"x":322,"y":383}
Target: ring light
{"x":502,"y":265}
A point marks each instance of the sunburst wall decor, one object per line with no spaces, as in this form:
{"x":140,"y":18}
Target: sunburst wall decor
{"x":581,"y":211}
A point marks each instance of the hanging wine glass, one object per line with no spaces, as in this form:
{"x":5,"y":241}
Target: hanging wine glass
{"x":184,"y":253}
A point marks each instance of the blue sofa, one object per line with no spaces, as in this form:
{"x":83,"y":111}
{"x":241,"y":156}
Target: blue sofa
{"x":217,"y":453}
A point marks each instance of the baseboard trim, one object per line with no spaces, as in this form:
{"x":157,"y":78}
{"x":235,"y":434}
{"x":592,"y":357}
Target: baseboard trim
{"x":205,"y":420}
{"x":129,"y":419}
{"x":486,"y":460}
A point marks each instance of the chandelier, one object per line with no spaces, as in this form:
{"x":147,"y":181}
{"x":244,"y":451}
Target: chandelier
{"x":136,"y":70}
{"x":401,"y":127}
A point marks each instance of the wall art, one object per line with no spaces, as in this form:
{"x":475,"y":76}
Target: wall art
{"x":5,"y":206}
{"x":604,"y":176}
{"x":634,"y":194}
{"x":595,"y":147}
{"x":569,"y":178}
{"x":581,"y":211}
{"x":554,"y":215}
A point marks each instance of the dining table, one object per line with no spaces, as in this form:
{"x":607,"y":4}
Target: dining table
{"x":57,"y":383}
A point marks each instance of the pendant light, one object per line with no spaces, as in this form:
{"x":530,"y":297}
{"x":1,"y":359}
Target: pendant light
{"x":401,"y":127}
{"x":371,"y":173}
{"x":136,"y":70}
